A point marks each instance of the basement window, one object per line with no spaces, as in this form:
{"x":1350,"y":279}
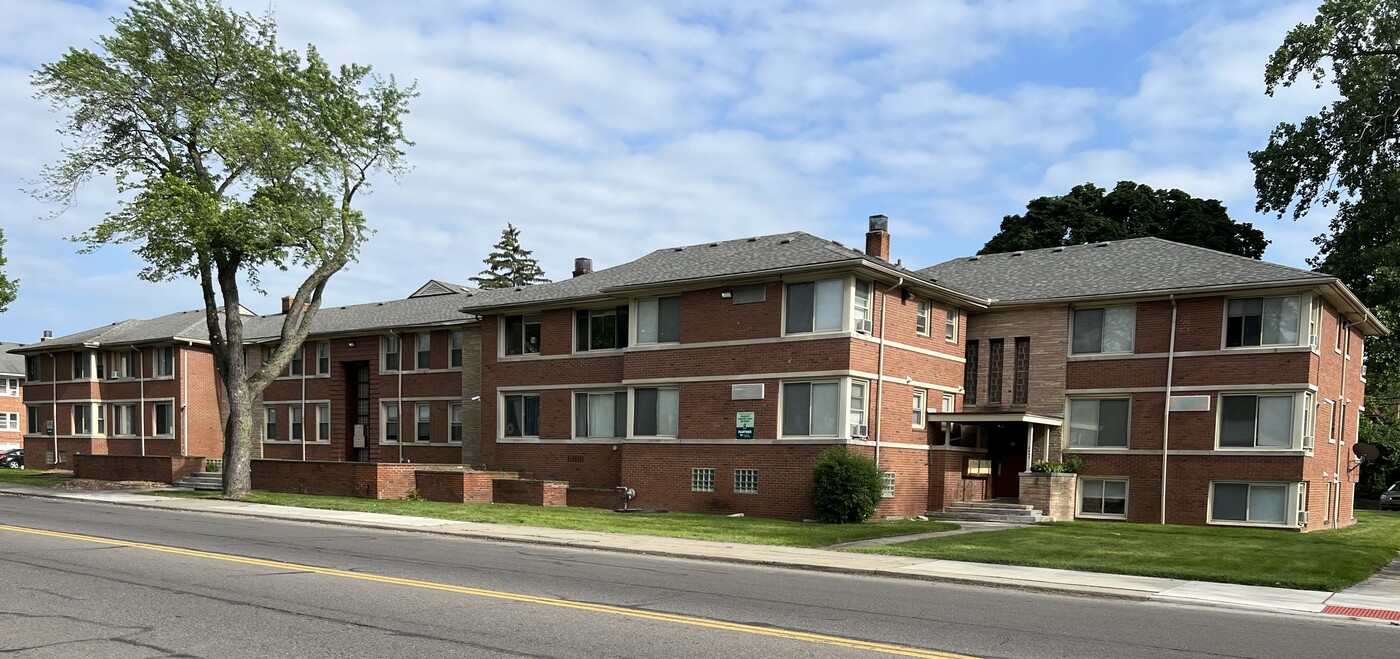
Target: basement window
{"x":702,"y":479}
{"x":746,"y":481}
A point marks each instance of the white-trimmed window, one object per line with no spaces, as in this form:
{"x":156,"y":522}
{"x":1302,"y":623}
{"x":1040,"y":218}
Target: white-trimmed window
{"x":424,"y":357}
{"x":951,"y":431}
{"x":82,"y":365}
{"x":9,"y":387}
{"x":702,"y":479}
{"x":1315,"y":323}
{"x":82,"y":419}
{"x":454,"y":350}
{"x":600,"y":329}
{"x":1262,"y":321}
{"x":812,"y":408}
{"x":1103,"y":497}
{"x":164,"y":418}
{"x":746,"y":481}
{"x":391,"y":353}
{"x":9,"y":420}
{"x":887,"y":485}
{"x":269,"y":423}
{"x":659,"y":320}
{"x":454,"y":415}
{"x":921,"y":317}
{"x":165,"y":361}
{"x":391,"y":422}
{"x":1095,"y":422}
{"x":815,"y":306}
{"x":950,"y":325}
{"x":123,"y":364}
{"x":1309,"y":418}
{"x":323,"y":422}
{"x":858,"y":409}
{"x":124,"y":419}
{"x":323,"y":358}
{"x":522,"y":415}
{"x":99,"y":413}
{"x":296,"y":419}
{"x":1252,"y":503}
{"x":657,"y":412}
{"x":920,"y":402}
{"x":600,"y":414}
{"x":425,"y":422}
{"x":297,"y":367}
{"x":1257,"y":421}
{"x":1106,"y":330}
{"x":860,"y":307}
{"x":522,"y":335}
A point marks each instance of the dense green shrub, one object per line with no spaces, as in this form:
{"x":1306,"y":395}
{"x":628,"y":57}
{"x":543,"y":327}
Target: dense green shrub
{"x":1070,"y":465}
{"x":847,"y":486}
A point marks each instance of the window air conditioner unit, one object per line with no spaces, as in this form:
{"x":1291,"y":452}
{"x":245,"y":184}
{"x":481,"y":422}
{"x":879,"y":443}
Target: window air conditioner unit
{"x":865,"y":326}
{"x":1307,"y":442}
{"x":1302,"y":518}
{"x":116,"y":375}
{"x":860,"y":430}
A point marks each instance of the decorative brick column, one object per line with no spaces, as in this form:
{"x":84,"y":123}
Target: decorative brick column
{"x":1052,"y":494}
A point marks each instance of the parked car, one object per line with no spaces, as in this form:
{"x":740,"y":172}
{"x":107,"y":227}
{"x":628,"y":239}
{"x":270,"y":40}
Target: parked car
{"x":1390,"y":499}
{"x":14,"y":459}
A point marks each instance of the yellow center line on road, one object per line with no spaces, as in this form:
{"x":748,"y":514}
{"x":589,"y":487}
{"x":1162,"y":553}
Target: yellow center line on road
{"x":883,"y":648}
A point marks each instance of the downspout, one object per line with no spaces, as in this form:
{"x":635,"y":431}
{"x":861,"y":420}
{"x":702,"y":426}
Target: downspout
{"x":399,"y":401}
{"x":303,"y":404}
{"x":53,"y":359}
{"x":1341,"y":425}
{"x":184,"y":403}
{"x":141,"y":411}
{"x":880,"y":367}
{"x":1167,"y":408}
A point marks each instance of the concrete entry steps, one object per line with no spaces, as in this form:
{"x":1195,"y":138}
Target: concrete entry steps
{"x":991,"y":510}
{"x":203,"y":481}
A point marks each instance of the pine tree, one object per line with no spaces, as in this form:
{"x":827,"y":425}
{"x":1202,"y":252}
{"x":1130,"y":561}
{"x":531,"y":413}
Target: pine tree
{"x":510,"y":265}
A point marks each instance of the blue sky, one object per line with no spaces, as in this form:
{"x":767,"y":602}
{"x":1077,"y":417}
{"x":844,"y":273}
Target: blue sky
{"x":609,"y":129}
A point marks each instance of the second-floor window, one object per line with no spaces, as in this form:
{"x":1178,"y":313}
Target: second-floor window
{"x":297,"y":367}
{"x":601,"y":329}
{"x":323,"y":358}
{"x":921,"y":318}
{"x":82,"y":365}
{"x":1099,"y":422}
{"x":974,"y":349}
{"x":1021,"y":371}
{"x":9,"y":387}
{"x":522,"y":335}
{"x":165,"y":362}
{"x":659,"y":320}
{"x":391,"y":353}
{"x":1262,"y":321}
{"x":1103,"y":330}
{"x":454,"y":350}
{"x":920,"y":400}
{"x":425,"y":351}
{"x":1249,"y":421}
{"x":31,"y":368}
{"x":995,"y":352}
{"x":815,"y":306}
{"x":950,"y":325}
{"x":123,"y":364}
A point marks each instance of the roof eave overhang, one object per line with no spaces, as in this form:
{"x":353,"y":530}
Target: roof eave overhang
{"x":373,"y":330}
{"x":995,"y":417}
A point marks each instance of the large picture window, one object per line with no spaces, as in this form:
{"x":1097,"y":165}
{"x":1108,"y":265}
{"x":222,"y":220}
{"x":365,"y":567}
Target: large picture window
{"x":659,"y":320}
{"x":522,"y":415}
{"x":1103,"y":330}
{"x":815,"y":306}
{"x":1249,"y":421}
{"x":1098,"y":422}
{"x":600,"y":414}
{"x":522,"y":335}
{"x":657,"y":413}
{"x":811,"y":408}
{"x":1262,"y":321}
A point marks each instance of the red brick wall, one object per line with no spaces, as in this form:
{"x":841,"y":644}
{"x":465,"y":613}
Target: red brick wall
{"x":13,"y":405}
{"x":531,"y":492}
{"x":160,"y":469}
{"x":458,"y":486}
{"x":354,"y":479}
{"x":595,"y":497}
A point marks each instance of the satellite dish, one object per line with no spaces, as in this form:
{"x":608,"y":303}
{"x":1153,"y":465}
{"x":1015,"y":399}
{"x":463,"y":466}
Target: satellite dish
{"x":1365,"y":452}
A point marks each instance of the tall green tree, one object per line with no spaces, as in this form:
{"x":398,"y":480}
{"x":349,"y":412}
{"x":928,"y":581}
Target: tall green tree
{"x":509,"y":265}
{"x":1131,"y":210}
{"x":9,"y":288}
{"x":1347,"y":157}
{"x":234,"y":155}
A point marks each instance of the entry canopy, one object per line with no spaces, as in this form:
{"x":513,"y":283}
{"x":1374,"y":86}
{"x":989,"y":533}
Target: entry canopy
{"x":994,"y":417}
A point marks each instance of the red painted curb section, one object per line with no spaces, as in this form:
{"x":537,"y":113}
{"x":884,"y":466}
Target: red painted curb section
{"x":1362,"y":613}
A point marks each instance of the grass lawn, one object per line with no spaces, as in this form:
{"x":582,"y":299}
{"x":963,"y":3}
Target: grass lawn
{"x":749,"y":530}
{"x":1321,"y":560}
{"x":30,"y":477}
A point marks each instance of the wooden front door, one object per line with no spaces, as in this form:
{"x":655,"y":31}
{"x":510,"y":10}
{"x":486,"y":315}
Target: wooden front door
{"x":1007,"y":450}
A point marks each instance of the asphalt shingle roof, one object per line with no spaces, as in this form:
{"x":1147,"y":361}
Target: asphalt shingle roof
{"x":181,"y":324}
{"x":409,"y":312}
{"x":10,"y":363}
{"x":1138,"y":265}
{"x":728,"y":258}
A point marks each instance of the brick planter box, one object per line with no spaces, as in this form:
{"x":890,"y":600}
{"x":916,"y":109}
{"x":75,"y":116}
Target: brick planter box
{"x":459,"y":486}
{"x":368,"y":480}
{"x":156,"y":468}
{"x":1052,"y":494}
{"x":530,"y":492}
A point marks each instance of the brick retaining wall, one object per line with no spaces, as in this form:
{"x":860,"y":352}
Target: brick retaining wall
{"x":459,"y":486}
{"x":531,"y":492}
{"x":155,"y":468}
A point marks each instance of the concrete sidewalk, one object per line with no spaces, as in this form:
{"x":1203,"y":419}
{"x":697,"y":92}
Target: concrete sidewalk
{"x":1377,"y":598}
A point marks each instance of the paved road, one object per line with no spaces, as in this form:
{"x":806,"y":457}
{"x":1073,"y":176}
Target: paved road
{"x":214,"y":586}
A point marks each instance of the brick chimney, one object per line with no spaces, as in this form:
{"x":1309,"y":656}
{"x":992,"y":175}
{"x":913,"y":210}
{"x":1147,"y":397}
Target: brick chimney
{"x":583,"y":266}
{"x":48,"y":336}
{"x":286,"y":303}
{"x":877,"y":240}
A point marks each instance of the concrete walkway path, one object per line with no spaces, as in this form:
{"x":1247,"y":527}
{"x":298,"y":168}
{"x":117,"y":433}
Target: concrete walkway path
{"x":1375,"y":599}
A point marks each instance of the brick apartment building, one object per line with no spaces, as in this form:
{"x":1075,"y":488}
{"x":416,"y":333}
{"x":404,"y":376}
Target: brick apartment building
{"x":135,"y":387}
{"x":11,"y":401}
{"x":403,"y":372}
{"x":709,"y":377}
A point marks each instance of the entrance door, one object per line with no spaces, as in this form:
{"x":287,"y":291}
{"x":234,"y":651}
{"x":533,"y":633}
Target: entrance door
{"x":1007,"y":450}
{"x":357,"y":406}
